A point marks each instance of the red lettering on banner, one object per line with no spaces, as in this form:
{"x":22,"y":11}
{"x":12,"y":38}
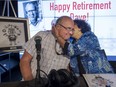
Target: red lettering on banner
{"x":91,"y":6}
{"x":83,"y":17}
{"x":60,"y":7}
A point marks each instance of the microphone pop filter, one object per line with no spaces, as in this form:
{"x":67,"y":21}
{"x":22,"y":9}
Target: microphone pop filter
{"x":37,"y":38}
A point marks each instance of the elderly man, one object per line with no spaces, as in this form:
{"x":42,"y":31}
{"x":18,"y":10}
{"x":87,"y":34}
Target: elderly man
{"x":51,"y":52}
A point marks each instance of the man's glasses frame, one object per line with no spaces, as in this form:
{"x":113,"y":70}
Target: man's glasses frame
{"x":67,"y":28}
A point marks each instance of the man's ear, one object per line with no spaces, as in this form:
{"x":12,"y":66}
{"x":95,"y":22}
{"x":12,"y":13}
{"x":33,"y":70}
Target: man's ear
{"x":57,"y":26}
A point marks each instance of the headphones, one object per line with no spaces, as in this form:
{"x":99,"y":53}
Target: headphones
{"x":62,"y":78}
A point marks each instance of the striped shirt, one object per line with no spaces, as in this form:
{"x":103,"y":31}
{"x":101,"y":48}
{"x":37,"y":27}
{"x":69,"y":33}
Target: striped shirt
{"x":49,"y":58}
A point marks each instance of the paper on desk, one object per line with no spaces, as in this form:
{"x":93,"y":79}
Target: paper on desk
{"x":100,"y":80}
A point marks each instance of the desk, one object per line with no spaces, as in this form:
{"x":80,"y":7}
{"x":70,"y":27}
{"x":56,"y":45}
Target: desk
{"x":27,"y":83}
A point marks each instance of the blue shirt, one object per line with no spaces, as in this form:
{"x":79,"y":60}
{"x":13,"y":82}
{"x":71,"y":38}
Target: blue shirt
{"x":88,"y":49}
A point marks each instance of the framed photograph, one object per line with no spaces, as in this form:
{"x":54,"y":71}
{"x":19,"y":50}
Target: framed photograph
{"x":14,"y":32}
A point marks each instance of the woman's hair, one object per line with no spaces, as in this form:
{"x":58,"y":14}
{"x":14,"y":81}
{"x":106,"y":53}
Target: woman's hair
{"x":83,"y":25}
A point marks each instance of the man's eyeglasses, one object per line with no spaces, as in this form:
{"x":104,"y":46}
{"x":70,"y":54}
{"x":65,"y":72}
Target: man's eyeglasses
{"x":67,"y":28}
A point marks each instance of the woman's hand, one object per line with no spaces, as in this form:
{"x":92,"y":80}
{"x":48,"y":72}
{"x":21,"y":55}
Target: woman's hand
{"x":60,"y":40}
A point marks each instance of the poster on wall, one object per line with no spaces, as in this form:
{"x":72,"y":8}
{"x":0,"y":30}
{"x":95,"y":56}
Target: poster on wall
{"x":101,"y":16}
{"x":13,"y":33}
{"x":33,"y":11}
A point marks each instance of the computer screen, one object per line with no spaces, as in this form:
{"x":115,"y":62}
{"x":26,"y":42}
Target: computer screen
{"x":100,"y":14}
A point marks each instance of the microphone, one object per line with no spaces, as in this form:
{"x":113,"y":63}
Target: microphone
{"x":38,"y":57}
{"x":39,"y":81}
{"x":38,"y":43}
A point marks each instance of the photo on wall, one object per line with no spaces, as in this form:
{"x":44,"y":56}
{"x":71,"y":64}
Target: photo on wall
{"x":33,"y":11}
{"x":13,"y":33}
